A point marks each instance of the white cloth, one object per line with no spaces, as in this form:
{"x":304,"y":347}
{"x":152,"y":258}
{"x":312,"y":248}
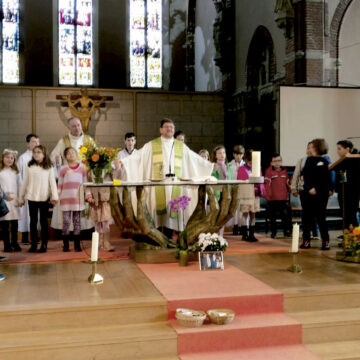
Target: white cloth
{"x":234,"y":169}
{"x":24,"y":216}
{"x":122,"y":154}
{"x":297,"y":183}
{"x":57,"y":220}
{"x":138,"y":167}
{"x":39,"y":184}
{"x":75,"y":141}
{"x":120,"y":174}
{"x":9,"y":182}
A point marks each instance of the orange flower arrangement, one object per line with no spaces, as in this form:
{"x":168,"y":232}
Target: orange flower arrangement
{"x":97,"y":158}
{"x":351,"y":241}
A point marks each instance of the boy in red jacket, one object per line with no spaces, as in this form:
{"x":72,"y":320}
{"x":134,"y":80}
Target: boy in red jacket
{"x":277,"y":186}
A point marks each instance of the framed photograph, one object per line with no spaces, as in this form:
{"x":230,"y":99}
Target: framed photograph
{"x":211,"y":260}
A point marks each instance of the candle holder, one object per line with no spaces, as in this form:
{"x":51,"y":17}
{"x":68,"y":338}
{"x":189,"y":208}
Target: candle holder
{"x":295,"y":267}
{"x":89,"y":261}
{"x":95,"y":278}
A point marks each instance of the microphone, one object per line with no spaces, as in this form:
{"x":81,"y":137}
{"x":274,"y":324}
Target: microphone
{"x":170,"y":174}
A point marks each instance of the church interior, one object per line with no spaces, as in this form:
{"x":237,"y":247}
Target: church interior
{"x":275,"y":77}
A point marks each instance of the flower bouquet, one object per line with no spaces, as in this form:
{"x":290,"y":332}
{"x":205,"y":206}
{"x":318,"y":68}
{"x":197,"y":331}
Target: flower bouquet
{"x":97,"y":159}
{"x":211,"y":248}
{"x":351,"y":244}
{"x":211,"y":242}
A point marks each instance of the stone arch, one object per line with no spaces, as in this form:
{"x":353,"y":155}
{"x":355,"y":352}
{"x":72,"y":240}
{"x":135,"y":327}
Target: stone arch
{"x":335,"y":28}
{"x":261,"y":61}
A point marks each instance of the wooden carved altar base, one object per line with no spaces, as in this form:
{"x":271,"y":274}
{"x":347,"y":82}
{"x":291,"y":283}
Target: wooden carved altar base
{"x":142,"y":226}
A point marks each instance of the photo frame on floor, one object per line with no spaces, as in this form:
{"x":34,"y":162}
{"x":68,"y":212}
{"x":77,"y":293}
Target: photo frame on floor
{"x":211,"y":260}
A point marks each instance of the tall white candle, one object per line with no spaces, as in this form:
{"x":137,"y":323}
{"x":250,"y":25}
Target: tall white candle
{"x":295,"y":238}
{"x":255,"y":160}
{"x":95,"y":246}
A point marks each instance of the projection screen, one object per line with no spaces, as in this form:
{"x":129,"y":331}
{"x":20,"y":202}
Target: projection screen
{"x":310,"y":112}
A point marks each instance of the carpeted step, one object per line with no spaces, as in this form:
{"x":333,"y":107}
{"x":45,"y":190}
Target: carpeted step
{"x":203,"y":290}
{"x":338,"y":350}
{"x":243,"y":332}
{"x":293,"y":352}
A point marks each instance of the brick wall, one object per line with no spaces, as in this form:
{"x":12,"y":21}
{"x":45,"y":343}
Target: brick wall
{"x":200,"y":116}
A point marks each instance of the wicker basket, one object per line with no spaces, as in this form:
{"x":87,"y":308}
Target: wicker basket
{"x":221,"y":316}
{"x":190,"y":318}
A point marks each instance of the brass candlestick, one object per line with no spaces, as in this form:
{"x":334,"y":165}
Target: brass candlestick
{"x":295,"y":267}
{"x":95,"y":278}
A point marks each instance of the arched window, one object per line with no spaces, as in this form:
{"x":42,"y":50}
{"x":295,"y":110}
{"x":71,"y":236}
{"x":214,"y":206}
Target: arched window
{"x":146,"y":43}
{"x":261,"y":66}
{"x":75,"y":42}
{"x":10,"y":43}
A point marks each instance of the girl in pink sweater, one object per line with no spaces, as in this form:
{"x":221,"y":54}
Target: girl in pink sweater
{"x":70,"y":178}
{"x":249,"y":199}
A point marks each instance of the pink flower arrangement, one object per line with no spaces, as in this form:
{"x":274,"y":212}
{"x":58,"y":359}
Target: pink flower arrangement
{"x":180,"y":203}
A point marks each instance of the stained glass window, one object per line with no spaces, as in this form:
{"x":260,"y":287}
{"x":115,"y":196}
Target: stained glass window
{"x":10,"y":41}
{"x":75,"y":42}
{"x":146,"y":43}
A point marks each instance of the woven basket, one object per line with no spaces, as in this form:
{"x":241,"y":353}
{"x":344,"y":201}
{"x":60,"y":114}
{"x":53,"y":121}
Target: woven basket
{"x":190,"y":318}
{"x":221,"y":316}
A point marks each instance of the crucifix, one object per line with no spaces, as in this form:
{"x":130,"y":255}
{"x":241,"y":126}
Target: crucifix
{"x":82,"y":106}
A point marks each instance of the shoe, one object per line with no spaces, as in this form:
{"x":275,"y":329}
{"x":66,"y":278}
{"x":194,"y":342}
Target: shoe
{"x":236,"y":230}
{"x":77,"y":246}
{"x":66,"y":243}
{"x":16,"y":247}
{"x":340,"y":237}
{"x":107,"y":244}
{"x":33,"y":249}
{"x":273,"y":235}
{"x":244,"y":233}
{"x":2,"y":277}
{"x":7,"y":248}
{"x":25,"y":238}
{"x":251,"y":237}
{"x":3,"y":258}
{"x":305,"y":245}
{"x":43,"y":247}
{"x":325,"y":245}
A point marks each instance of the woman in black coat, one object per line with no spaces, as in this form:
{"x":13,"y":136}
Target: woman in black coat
{"x":317,"y":189}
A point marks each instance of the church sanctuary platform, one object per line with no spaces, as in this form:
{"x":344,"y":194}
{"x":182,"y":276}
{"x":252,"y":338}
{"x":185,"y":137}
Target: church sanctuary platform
{"x":51,"y":311}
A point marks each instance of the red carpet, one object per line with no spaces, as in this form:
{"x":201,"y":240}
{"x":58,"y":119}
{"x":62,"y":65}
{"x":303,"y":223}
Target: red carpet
{"x":260,"y":325}
{"x":264,"y":245}
{"x":55,"y":253}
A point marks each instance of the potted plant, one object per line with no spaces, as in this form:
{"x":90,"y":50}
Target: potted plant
{"x":178,"y":206}
{"x":351,"y":244}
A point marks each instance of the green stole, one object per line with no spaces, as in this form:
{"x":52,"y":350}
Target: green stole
{"x":158,"y":173}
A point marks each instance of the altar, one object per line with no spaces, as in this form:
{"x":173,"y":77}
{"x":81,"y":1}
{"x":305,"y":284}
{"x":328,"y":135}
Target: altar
{"x":151,"y":245}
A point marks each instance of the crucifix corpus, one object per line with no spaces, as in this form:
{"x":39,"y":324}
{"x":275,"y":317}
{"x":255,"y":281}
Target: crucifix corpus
{"x":82,"y":106}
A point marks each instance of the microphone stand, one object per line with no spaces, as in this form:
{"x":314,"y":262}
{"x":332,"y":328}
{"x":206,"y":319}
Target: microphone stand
{"x":170,"y":174}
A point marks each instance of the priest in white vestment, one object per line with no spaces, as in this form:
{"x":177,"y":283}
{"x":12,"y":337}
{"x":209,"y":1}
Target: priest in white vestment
{"x":76,"y":138}
{"x":24,"y":217}
{"x":160,"y":157}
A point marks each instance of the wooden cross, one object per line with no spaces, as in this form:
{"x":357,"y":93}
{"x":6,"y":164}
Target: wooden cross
{"x":82,"y":106}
